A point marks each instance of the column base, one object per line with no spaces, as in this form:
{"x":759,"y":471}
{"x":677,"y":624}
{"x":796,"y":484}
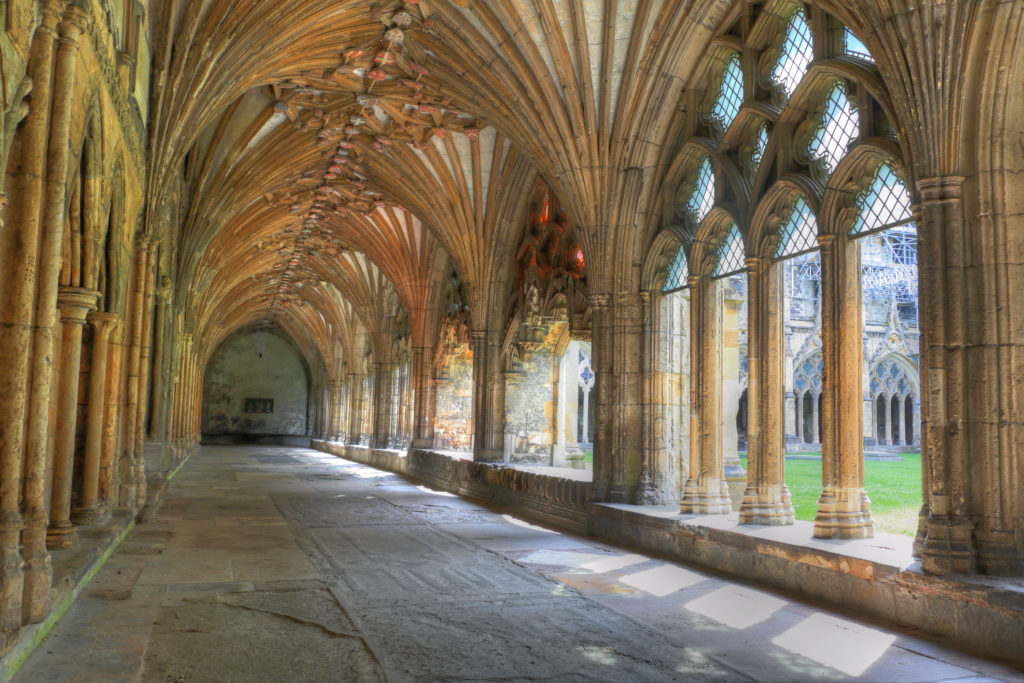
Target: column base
{"x":844,"y":513}
{"x":94,"y":514}
{"x":11,"y":574}
{"x":61,"y":535}
{"x":998,"y":554}
{"x":35,"y":605}
{"x":710,"y":497}
{"x":771,"y":506}
{"x":948,"y":546}
{"x":489,"y":455}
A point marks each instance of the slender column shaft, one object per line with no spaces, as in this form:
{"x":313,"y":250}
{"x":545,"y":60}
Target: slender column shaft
{"x":423,"y":436}
{"x":111,"y":413}
{"x":355,"y":429}
{"x":90,"y":510}
{"x":600,"y":356}
{"x":142,"y":401}
{"x":75,"y":303}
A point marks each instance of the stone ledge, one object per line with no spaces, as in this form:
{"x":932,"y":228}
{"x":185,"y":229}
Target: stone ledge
{"x":552,"y":500}
{"x":73,"y":568}
{"x":874,"y":577}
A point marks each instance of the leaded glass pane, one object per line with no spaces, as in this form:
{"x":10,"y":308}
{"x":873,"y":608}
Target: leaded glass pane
{"x":800,"y":231}
{"x":730,"y":96}
{"x":678,"y":271}
{"x":731,"y":256}
{"x":839,"y":123}
{"x":796,"y":53}
{"x":886,"y":203}
{"x":703,"y":197}
{"x":855,"y":47}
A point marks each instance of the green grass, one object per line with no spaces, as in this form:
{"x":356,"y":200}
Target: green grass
{"x":893,"y":487}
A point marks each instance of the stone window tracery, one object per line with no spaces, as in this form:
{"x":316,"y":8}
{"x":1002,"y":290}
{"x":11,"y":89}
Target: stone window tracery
{"x":760,"y":146}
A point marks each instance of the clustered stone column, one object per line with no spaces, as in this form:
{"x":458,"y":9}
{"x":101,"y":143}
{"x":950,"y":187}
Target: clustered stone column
{"x":766,"y":499}
{"x":91,"y":509}
{"x":706,"y":490}
{"x":75,"y":304}
{"x":843,"y":508}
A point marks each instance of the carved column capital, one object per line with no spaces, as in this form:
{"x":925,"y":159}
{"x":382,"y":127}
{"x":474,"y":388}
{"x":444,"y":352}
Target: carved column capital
{"x":103,"y":323}
{"x":942,"y":188}
{"x":75,"y":303}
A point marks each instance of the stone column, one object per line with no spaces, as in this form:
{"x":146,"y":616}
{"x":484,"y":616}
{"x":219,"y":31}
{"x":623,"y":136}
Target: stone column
{"x":766,"y":499}
{"x":381,"y":405}
{"x":603,"y":398}
{"x":111,"y":412}
{"x":492,"y":430}
{"x":423,"y":430}
{"x":90,"y":509}
{"x":480,"y":397}
{"x":626,"y":411}
{"x":75,"y":303}
{"x":843,"y":508}
{"x":355,"y":408}
{"x":948,"y":545}
{"x":706,"y":490}
{"x":16,"y":345}
{"x":163,"y":297}
{"x":143,"y":398}
{"x":657,"y":467}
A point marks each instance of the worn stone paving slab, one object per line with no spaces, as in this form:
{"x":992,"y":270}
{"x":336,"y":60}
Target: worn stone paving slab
{"x":290,"y":564}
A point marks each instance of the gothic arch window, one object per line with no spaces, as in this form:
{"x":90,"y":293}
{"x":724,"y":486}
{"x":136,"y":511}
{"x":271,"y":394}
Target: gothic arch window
{"x":807,"y":388}
{"x":884,"y":204}
{"x":895,"y":393}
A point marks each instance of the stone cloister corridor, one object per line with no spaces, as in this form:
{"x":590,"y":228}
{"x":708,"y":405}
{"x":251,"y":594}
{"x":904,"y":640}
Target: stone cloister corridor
{"x":271,"y":563}
{"x":728,"y":286}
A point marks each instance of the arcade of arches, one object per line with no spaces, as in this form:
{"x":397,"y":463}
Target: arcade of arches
{"x":646,"y":252}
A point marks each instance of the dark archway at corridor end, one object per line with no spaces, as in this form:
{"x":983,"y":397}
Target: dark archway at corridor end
{"x":256,"y":389}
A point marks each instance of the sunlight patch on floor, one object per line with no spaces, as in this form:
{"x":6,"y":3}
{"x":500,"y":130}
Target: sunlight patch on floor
{"x":663,"y":580}
{"x":436,"y":493}
{"x":526,"y":525}
{"x":736,"y":606}
{"x":840,"y":644}
{"x":612,"y":563}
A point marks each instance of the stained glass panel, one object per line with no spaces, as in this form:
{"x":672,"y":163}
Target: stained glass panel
{"x":839,"y":124}
{"x":799,"y":233}
{"x":730,"y":96}
{"x":796,"y":53}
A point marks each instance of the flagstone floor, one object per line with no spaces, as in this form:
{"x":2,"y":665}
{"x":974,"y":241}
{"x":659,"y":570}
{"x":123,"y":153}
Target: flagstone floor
{"x":287,"y":564}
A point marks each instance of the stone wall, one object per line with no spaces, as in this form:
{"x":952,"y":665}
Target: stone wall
{"x":257,"y":365}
